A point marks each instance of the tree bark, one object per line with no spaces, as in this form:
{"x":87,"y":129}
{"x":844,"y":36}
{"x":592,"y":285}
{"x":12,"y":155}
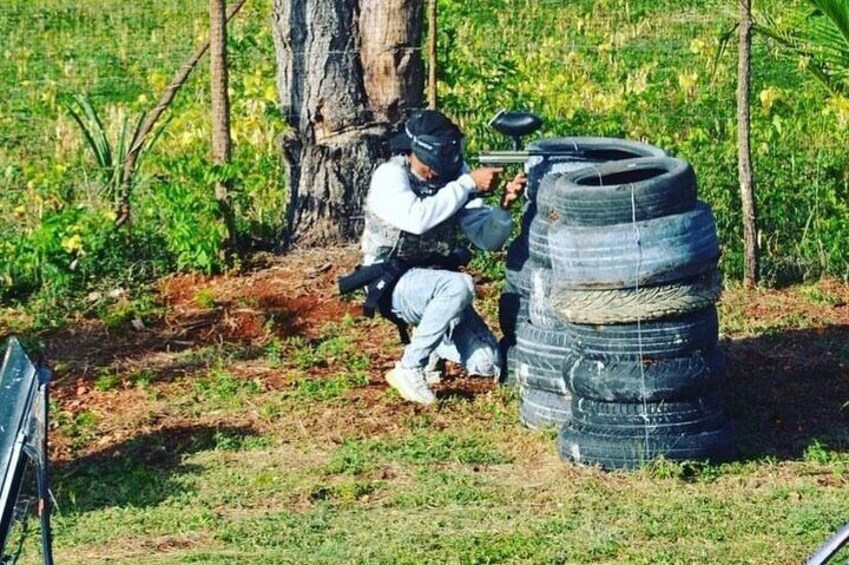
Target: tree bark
{"x":349,"y":71}
{"x":221,"y":145}
{"x":744,"y":154}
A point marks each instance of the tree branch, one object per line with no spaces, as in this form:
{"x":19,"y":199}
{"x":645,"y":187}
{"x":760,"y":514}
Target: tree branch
{"x":153,"y":116}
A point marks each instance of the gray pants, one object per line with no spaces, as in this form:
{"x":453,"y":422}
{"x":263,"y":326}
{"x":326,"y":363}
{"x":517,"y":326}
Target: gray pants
{"x":439,"y":304}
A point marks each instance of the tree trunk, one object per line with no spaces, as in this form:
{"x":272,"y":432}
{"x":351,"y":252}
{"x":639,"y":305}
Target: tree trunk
{"x":349,"y":71}
{"x":221,"y":113}
{"x":744,"y":153}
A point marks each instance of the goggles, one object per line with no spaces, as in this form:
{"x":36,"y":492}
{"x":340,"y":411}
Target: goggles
{"x":443,"y":154}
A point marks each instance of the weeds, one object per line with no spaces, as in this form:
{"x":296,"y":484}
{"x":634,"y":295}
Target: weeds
{"x":107,"y":381}
{"x":820,"y":454}
{"x":332,"y":347}
{"x":229,"y":440}
{"x":332,"y":388}
{"x":111,"y":156}
{"x":125,"y":313}
{"x":143,"y":379}
{"x":61,"y":162}
{"x":273,"y":352}
{"x":205,"y":298}
{"x":221,"y":388}
{"x":597,"y":80}
{"x":79,"y":427}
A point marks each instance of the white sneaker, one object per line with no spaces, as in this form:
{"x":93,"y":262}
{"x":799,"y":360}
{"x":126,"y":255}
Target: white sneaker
{"x":434,"y":370}
{"x":410,"y":384}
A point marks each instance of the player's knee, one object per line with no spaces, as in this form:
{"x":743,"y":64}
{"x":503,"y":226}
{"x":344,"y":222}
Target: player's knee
{"x":460,"y":289}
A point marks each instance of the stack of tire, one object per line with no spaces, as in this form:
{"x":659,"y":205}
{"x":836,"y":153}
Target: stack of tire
{"x":635,"y":282}
{"x":536,"y":342}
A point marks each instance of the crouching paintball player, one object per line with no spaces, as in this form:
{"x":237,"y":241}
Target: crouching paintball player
{"x":418,"y":205}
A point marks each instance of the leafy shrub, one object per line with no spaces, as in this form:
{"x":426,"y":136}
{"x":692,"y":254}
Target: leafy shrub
{"x":76,"y":249}
{"x":192,"y":232}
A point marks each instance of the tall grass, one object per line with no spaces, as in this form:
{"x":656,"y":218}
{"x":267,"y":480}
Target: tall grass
{"x":62,"y":168}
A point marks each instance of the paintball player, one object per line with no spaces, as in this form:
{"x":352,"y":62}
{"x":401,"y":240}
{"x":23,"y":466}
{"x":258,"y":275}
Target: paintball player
{"x":419,"y":203}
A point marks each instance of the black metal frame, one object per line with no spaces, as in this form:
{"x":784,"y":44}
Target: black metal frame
{"x":23,"y":423}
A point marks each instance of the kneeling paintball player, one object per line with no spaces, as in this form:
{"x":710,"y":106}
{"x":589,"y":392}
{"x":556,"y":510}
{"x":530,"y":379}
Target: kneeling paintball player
{"x":419,"y":203}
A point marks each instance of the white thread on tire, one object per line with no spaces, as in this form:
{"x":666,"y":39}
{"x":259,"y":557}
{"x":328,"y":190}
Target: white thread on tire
{"x":639,"y":321}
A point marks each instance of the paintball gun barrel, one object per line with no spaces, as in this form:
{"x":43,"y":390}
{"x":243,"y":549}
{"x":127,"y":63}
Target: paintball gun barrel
{"x":502,"y":158}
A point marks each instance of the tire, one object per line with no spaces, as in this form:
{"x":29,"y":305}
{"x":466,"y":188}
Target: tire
{"x":520,"y":281}
{"x":540,"y":310}
{"x":660,"y":339}
{"x":517,"y":253}
{"x":510,"y":366}
{"x":529,"y":212}
{"x":545,"y":196}
{"x":512,"y":310}
{"x":617,"y":452}
{"x":648,"y":253}
{"x":541,"y":347}
{"x":539,"y":409}
{"x":623,"y":305}
{"x":538,"y":240}
{"x":620,"y":192}
{"x":578,"y":152}
{"x":538,"y":376}
{"x":659,"y":380}
{"x":694,"y":415}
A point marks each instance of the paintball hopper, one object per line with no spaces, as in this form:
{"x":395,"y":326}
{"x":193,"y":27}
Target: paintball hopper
{"x":515,"y":125}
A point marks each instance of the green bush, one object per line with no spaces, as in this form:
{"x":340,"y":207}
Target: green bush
{"x":78,"y":249}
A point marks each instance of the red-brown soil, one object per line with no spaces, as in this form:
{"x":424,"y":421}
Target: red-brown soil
{"x":787,"y":362}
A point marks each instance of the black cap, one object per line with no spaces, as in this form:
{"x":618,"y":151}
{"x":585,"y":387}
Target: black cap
{"x":435,"y":140}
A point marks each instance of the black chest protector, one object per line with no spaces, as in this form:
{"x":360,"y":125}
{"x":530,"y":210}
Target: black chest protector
{"x":437,"y":245}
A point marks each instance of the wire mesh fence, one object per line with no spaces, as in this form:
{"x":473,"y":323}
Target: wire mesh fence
{"x":112,"y":51}
{"x":119,"y":52}
{"x":626,"y":68}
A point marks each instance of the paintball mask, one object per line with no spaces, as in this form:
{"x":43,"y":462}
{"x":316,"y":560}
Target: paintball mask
{"x":438,"y":144}
{"x":443,"y":154}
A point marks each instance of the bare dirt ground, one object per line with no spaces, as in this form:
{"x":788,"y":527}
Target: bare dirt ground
{"x":787,"y":354}
{"x":291,"y":296}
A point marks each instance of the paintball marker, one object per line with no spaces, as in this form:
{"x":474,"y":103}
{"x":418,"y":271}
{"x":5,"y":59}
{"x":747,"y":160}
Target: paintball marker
{"x":515,"y":125}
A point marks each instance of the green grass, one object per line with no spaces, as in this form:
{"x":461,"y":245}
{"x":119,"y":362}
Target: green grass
{"x":641,"y":69}
{"x":323,"y":388}
{"x":282,"y":505}
{"x":290,"y":450}
{"x":311,"y":478}
{"x":220,"y":388}
{"x":53,"y":212}
{"x":205,"y":298}
{"x":390,"y":483}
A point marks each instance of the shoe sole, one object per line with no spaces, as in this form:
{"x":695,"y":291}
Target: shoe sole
{"x":393,"y":382}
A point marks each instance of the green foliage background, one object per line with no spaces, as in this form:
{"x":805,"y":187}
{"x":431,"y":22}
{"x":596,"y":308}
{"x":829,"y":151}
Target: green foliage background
{"x":646,"y":70}
{"x":625,"y":68}
{"x":56,"y":231}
